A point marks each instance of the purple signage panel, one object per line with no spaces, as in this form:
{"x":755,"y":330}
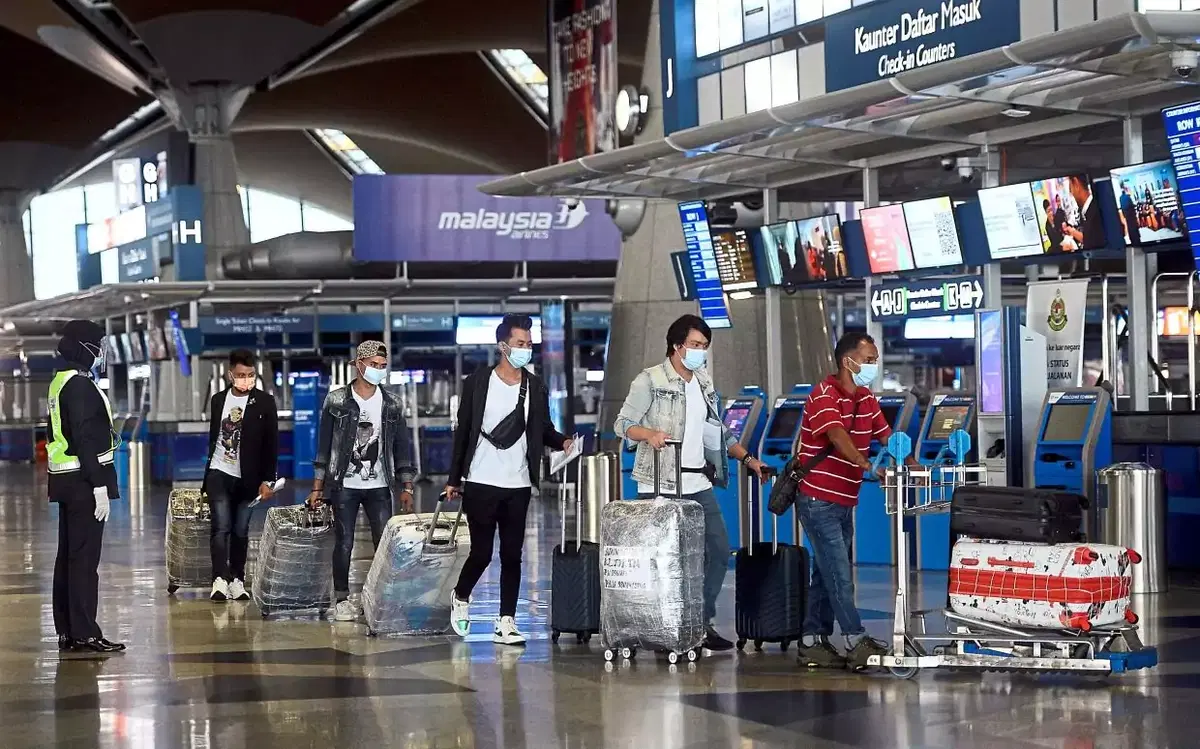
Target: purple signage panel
{"x":436,"y":218}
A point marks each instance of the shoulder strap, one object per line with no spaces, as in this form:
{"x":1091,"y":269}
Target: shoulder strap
{"x":524,"y":390}
{"x":807,"y":466}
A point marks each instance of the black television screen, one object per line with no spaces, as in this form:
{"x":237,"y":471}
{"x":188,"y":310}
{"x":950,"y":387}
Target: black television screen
{"x":805,"y":251}
{"x":1148,"y":204}
{"x":137,"y":348}
{"x":785,"y":423}
{"x":156,"y":343}
{"x":1052,"y":216}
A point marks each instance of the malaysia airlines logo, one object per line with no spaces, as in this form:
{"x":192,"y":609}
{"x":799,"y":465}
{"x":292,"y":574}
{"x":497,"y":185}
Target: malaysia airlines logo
{"x":517,"y":224}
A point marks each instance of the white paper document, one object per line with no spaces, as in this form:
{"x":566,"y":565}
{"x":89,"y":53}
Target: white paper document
{"x":562,"y":458}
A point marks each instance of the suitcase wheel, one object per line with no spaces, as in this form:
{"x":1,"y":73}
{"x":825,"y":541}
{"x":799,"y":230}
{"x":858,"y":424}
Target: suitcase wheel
{"x":554,"y":635}
{"x":783,"y":646}
{"x":582,"y":638}
{"x":758,"y":645}
{"x":629,"y":653}
{"x":673,"y":657}
{"x":741,"y":643}
{"x":693,"y":655}
{"x":171,"y":588}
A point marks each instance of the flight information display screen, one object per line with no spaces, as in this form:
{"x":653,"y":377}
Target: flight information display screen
{"x":1183,"y":136}
{"x":735,"y":260}
{"x":699,"y":242}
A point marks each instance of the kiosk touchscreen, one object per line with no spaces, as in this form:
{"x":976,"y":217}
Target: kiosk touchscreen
{"x":948,"y":412}
{"x":1074,"y":438}
{"x":873,"y":536}
{"x":782,"y":431}
{"x":744,"y":417}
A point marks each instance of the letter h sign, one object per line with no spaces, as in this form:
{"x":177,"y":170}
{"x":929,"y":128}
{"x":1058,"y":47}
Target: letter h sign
{"x":189,"y":234}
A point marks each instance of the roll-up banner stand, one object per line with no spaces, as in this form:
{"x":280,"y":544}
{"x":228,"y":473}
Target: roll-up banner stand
{"x":1056,"y":310}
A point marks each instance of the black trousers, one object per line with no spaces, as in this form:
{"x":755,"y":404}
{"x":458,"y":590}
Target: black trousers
{"x":377,"y":503}
{"x":491,"y":509}
{"x":76,"y":580}
{"x":229,"y":500}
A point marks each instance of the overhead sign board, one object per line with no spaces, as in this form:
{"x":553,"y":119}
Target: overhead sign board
{"x":417,"y":322}
{"x":880,"y":40}
{"x":439,"y":218}
{"x":1183,"y":136}
{"x":254,"y":324}
{"x":926,"y":298}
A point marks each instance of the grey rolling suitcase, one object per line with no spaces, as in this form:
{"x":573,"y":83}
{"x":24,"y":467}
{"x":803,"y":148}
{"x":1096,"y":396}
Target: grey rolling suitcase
{"x":413,"y":574}
{"x":652,"y":573}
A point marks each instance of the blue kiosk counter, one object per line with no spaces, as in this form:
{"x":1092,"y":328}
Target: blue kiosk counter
{"x":782,"y":431}
{"x":1074,"y":440}
{"x":745,"y":418}
{"x":873,"y":536}
{"x":948,"y":412}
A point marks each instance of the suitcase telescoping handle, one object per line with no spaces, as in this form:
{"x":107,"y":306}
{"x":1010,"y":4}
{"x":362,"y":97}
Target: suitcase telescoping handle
{"x":746,"y":484}
{"x":677,"y":445}
{"x":562,"y":509}
{"x":437,"y":511}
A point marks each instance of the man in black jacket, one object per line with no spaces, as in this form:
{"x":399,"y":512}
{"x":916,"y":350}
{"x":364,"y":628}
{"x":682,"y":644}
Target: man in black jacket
{"x":363,"y":457}
{"x":243,"y":453}
{"x":80,"y":444}
{"x":503,"y":426}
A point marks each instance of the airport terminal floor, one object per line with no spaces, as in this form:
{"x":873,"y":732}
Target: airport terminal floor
{"x":200,"y":675}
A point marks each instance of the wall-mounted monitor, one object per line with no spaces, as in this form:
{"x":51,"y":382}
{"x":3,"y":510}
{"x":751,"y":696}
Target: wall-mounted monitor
{"x":805,"y":251}
{"x":735,"y":260}
{"x":480,"y":330}
{"x":989,"y":352}
{"x":1044,"y":217}
{"x":889,"y":249}
{"x":940,"y":328}
{"x":933,"y":233}
{"x":1147,"y":199}
{"x":1010,"y":221}
{"x":156,"y":344}
{"x":697,"y":237}
{"x":127,"y":348}
{"x":113,"y":344}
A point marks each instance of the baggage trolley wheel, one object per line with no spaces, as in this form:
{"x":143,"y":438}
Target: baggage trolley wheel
{"x":758,"y":645}
{"x":554,"y":633}
{"x":171,"y":588}
{"x":741,"y":643}
{"x":903,"y":673}
{"x":692,"y":655}
{"x":581,"y":639}
{"x":609,"y":655}
{"x":629,"y":653}
{"x":587,"y":639}
{"x":673,"y":657}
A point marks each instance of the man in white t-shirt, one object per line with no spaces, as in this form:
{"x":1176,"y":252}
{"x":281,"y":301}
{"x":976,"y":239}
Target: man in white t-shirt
{"x":363,"y":457}
{"x":243,"y":453}
{"x":676,"y":400}
{"x":503,"y":428}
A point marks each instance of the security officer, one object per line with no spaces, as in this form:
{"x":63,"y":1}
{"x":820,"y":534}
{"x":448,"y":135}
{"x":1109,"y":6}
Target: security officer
{"x":79,"y":448}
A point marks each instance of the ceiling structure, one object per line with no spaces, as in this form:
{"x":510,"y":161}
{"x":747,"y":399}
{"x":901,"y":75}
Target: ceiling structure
{"x":411,"y":81}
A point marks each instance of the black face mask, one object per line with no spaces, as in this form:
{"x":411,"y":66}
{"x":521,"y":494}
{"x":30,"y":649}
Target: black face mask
{"x":512,"y":427}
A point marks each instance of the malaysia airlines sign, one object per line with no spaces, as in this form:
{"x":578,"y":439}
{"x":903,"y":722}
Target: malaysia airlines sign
{"x":436,"y":218}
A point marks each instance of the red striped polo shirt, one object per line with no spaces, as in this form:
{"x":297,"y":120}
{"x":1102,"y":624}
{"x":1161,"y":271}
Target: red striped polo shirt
{"x":836,"y":479}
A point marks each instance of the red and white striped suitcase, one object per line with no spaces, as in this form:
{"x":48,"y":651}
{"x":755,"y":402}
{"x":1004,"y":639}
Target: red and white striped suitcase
{"x":1056,"y":586}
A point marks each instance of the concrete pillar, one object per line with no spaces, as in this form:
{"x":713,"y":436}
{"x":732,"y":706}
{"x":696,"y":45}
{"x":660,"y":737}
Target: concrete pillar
{"x":646,"y":300}
{"x":16,"y":281}
{"x":206,"y":112}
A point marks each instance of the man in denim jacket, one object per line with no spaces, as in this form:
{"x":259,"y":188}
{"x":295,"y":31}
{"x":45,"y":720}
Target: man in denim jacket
{"x":675,"y":400}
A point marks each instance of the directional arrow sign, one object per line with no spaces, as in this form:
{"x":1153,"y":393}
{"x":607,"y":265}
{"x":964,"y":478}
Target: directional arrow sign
{"x":926,"y":298}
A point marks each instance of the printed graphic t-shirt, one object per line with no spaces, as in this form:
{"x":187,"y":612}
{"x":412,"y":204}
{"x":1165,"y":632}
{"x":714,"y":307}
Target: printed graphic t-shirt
{"x":506,"y":469}
{"x":227,"y":454}
{"x":365,"y":470}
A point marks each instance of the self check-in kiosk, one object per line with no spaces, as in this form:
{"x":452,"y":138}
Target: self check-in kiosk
{"x":1074,"y":439}
{"x":778,"y":442}
{"x":948,"y":412}
{"x":745,"y":418}
{"x":873,"y":534}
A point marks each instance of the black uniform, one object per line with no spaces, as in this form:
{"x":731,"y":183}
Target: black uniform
{"x":87,"y":429}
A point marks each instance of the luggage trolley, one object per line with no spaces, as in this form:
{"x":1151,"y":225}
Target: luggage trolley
{"x":970,"y":644}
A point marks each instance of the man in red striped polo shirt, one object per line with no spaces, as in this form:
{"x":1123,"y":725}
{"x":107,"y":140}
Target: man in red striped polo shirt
{"x":841,"y":418}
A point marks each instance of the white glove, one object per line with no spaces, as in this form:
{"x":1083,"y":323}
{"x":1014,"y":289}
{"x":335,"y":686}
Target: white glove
{"x":102,"y":508}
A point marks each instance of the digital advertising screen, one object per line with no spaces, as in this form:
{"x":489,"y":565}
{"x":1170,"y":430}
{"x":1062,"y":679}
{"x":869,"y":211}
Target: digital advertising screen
{"x":1148,"y":203}
{"x":991,"y":362}
{"x":1182,"y":125}
{"x":806,"y":251}
{"x":1010,"y":221}
{"x":156,"y":342}
{"x":933,"y":233}
{"x":1068,"y":213}
{"x":888,"y":246}
{"x":136,"y":347}
{"x":113,"y":347}
{"x":735,"y":260}
{"x":1173,"y":322}
{"x":480,"y":330}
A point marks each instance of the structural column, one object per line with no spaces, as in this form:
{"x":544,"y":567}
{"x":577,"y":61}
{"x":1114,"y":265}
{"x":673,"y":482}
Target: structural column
{"x":870,"y":179}
{"x":16,"y":279}
{"x":1137,"y":288}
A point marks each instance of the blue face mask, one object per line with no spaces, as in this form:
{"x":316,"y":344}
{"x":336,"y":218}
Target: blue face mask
{"x":866,"y":374}
{"x":519,"y":357}
{"x":373,"y":375}
{"x":694,"y":358}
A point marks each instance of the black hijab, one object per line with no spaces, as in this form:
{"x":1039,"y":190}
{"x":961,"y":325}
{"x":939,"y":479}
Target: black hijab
{"x":80,"y":344}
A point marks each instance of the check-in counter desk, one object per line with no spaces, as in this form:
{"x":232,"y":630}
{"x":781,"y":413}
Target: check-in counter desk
{"x":179,"y":450}
{"x":1170,"y":442}
{"x":19,"y":440}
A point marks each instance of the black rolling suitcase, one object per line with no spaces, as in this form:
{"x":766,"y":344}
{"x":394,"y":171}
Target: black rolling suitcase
{"x":1013,"y":514}
{"x":574,"y":579}
{"x":771,"y":597}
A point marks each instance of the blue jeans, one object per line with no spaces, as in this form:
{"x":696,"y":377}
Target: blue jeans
{"x":229,"y":501}
{"x":716,"y":548}
{"x":830,"y":531}
{"x":378,"y":505}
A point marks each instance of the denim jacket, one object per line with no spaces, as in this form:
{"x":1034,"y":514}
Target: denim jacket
{"x":337,"y":431}
{"x":657,"y":401}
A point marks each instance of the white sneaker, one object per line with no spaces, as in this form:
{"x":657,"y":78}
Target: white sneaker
{"x":507,"y":633}
{"x":346,"y":611}
{"x":460,"y":615}
{"x":220,"y":590}
{"x":237,"y":591}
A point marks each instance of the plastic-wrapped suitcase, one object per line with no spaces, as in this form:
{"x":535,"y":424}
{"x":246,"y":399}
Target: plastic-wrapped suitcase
{"x":415,"y":569}
{"x":1013,"y":514}
{"x":771,"y":596}
{"x":652,"y":573}
{"x":1077,"y":586}
{"x":187,"y":546}
{"x":294,"y":568}
{"x":574,"y":579}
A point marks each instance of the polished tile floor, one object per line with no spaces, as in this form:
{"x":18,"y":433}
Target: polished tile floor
{"x":199,"y":675}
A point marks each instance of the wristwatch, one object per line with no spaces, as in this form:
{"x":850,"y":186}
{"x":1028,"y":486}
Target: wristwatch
{"x":746,"y":460}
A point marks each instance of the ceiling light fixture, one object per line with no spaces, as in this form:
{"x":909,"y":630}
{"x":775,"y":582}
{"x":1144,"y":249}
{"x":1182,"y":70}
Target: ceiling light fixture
{"x":630,"y":111}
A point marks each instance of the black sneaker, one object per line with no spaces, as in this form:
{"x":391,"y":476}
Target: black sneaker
{"x":866,"y":647}
{"x":65,"y":643}
{"x":97,"y":645}
{"x":714,"y":642}
{"x":822,"y":654}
